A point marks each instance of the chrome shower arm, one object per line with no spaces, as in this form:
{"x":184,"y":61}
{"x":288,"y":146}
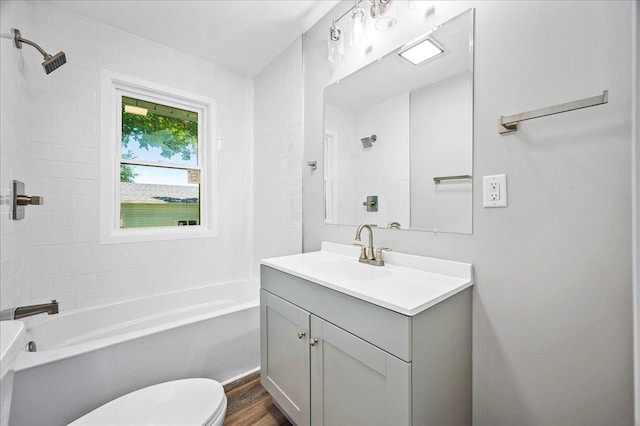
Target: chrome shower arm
{"x":51,"y":63}
{"x":18,"y":40}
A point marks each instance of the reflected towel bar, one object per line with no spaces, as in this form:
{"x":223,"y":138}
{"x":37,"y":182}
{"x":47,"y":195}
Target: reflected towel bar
{"x":438,"y":179}
{"x":510,"y":123}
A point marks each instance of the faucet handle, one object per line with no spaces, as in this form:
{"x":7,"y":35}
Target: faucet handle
{"x":363,"y":250}
{"x":379,"y":252}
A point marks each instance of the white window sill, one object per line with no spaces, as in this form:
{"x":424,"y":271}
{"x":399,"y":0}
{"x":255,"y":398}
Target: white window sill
{"x":140,"y":235}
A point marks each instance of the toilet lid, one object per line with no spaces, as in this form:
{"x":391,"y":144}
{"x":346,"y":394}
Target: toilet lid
{"x":180,"y":402}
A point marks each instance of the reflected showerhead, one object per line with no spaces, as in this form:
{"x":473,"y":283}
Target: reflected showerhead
{"x":368,"y":142}
{"x":50,"y":63}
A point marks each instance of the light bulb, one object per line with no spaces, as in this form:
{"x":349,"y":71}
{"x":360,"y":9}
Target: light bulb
{"x":335,"y":44}
{"x":358,"y":26}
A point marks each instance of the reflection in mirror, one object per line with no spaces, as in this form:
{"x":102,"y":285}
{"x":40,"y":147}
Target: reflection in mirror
{"x":396,"y":124}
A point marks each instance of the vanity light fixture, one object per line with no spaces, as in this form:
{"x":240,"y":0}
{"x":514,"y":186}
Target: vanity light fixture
{"x":420,"y":52}
{"x":335,"y":44}
{"x":384,"y":13}
{"x":131,"y":109}
{"x":381,"y":10}
{"x":358,"y":21}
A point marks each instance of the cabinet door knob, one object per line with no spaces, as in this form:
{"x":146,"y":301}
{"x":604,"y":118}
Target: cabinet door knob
{"x":313,"y":342}
{"x":301,"y":334}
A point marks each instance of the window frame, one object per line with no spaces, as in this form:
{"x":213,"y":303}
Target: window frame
{"x":113,"y":87}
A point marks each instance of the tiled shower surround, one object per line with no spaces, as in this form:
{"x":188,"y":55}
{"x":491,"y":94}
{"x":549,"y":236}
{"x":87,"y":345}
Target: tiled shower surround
{"x":50,"y":141}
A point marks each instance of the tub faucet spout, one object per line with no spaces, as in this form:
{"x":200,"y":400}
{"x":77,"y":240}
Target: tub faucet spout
{"x":27,"y":311}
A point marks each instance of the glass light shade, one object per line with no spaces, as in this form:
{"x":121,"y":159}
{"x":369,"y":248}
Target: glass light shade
{"x":358,"y":18}
{"x":335,"y":45}
{"x":384,"y":13}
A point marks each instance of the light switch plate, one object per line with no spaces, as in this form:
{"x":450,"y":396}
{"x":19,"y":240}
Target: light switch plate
{"x":494,"y":191}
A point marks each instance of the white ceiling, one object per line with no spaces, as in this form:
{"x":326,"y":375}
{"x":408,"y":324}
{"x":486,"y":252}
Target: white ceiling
{"x":244,"y":35}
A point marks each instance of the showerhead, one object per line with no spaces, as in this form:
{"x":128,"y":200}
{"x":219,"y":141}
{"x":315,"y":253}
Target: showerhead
{"x":50,"y":63}
{"x":368,"y":142}
{"x":54,"y":62}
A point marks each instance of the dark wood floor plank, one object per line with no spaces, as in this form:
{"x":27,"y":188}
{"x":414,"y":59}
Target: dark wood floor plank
{"x":249,"y":396}
{"x":249,"y":404}
{"x":242,"y":380}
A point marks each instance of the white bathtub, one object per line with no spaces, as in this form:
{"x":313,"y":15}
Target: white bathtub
{"x":87,"y":357}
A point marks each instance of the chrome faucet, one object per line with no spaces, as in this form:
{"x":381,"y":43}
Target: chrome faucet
{"x":367,"y":253}
{"x":27,"y":311}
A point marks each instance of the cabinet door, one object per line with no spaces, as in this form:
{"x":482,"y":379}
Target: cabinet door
{"x":355,"y":383}
{"x":284,"y":355}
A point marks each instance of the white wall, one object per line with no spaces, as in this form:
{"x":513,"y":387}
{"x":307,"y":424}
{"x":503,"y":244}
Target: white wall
{"x":442,"y":145}
{"x":50,"y":135}
{"x":552,"y":305}
{"x":277,"y":156}
{"x":339,"y":180}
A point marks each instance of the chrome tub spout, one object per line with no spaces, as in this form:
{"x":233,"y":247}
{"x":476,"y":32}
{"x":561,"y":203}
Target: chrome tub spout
{"x":27,"y":311}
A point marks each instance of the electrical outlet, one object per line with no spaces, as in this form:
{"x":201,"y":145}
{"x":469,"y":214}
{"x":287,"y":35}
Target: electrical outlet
{"x":494,"y":189}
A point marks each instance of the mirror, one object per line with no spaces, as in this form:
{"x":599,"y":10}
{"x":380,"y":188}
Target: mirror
{"x":398,"y":137}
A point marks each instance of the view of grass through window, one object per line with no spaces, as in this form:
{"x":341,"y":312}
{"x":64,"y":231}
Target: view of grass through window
{"x":159,"y":165}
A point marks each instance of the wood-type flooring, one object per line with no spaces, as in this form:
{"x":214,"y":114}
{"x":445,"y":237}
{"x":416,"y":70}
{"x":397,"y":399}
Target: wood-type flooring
{"x":249,"y":404}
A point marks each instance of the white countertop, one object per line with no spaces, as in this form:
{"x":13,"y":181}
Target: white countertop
{"x":406,"y":284}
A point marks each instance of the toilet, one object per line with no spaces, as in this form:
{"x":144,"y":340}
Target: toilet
{"x":198,"y":402}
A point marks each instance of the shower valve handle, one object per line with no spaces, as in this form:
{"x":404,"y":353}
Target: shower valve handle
{"x":25,"y":200}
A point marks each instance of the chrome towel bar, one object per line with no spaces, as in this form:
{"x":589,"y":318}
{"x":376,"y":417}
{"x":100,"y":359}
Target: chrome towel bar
{"x":438,"y":179}
{"x":510,"y":123}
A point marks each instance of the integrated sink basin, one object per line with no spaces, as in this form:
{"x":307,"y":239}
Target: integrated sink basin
{"x":343,"y":269}
{"x":406,"y":284}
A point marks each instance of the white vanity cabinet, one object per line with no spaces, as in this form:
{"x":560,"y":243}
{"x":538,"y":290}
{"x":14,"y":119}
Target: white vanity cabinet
{"x":329,"y":358}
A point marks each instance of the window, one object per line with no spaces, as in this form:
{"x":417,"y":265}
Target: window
{"x":159,"y":164}
{"x":156,"y":162}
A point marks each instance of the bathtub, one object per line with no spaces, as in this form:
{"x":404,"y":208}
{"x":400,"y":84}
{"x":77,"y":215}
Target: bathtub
{"x":87,"y":357}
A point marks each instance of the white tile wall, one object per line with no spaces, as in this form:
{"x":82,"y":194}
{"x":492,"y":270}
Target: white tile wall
{"x":278,"y":161}
{"x":381,"y":170}
{"x":50,"y":140}
{"x":14,"y":154}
